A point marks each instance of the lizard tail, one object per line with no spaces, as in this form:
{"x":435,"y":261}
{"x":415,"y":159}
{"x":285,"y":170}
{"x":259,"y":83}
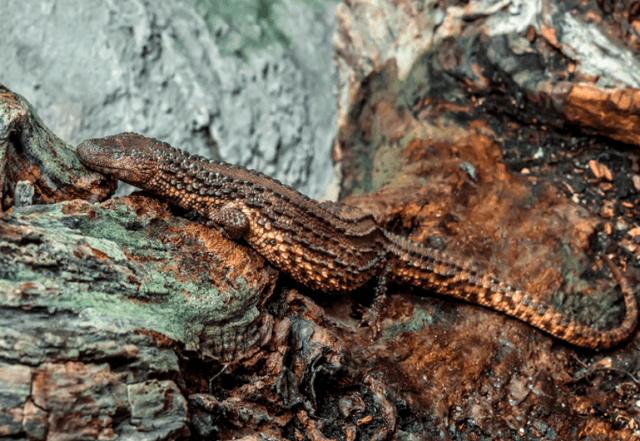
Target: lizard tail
{"x":431,"y":269}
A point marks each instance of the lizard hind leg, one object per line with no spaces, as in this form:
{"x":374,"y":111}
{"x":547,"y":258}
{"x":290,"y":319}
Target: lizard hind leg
{"x":230,"y":221}
{"x":372,"y":315}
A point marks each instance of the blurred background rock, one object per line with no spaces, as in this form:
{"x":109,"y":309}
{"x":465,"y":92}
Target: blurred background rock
{"x":251,"y":81}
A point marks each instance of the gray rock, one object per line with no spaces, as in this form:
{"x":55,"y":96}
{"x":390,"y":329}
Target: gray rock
{"x":257,"y":84}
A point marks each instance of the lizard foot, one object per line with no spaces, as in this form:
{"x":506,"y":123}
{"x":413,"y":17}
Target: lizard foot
{"x":370,"y":319}
{"x":371,"y":315}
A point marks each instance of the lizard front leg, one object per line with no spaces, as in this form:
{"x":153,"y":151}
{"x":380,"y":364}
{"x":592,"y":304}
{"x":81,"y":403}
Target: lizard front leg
{"x":231,"y":222}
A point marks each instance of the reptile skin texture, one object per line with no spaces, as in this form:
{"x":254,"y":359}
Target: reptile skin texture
{"x":326,"y":246}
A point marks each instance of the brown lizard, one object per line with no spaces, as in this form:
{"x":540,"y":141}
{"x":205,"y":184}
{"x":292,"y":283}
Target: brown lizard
{"x":321,"y":245}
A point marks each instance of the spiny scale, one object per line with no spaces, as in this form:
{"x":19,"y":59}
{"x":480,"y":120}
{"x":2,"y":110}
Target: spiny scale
{"x":327,"y":246}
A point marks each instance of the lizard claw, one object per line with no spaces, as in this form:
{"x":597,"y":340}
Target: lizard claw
{"x":371,"y":319}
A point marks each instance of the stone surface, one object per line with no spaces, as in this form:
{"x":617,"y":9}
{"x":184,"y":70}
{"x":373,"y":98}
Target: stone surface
{"x":94,"y":68}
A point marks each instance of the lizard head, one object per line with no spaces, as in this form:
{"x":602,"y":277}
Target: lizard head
{"x":125,"y":156}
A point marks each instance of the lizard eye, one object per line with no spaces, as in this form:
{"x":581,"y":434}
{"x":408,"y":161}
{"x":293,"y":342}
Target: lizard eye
{"x":117,"y":155}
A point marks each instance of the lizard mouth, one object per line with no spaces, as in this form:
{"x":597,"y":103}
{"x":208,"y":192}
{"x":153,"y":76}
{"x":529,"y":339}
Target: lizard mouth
{"x":93,"y":156}
{"x":104,"y":169}
{"x":110,"y":161}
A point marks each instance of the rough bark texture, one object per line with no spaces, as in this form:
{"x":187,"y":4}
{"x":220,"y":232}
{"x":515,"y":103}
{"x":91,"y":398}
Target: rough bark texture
{"x":99,"y":304}
{"x":502,"y":132}
{"x":35,"y":165}
{"x":497,"y":131}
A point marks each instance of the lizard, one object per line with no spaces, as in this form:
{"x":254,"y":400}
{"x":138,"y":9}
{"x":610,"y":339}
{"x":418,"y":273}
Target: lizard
{"x":322,"y":245}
